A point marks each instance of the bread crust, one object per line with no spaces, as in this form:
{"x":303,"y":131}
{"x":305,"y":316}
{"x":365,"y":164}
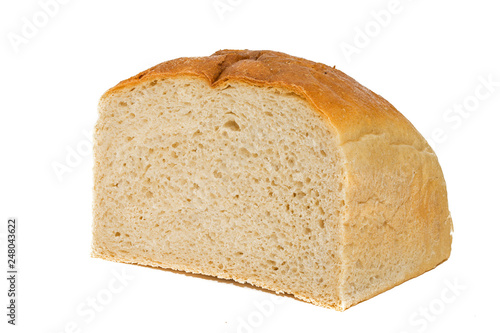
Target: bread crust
{"x":353,"y":109}
{"x":393,"y":189}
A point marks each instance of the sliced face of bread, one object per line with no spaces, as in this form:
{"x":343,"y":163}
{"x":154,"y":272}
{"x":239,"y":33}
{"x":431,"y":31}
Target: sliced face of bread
{"x":221,"y":167}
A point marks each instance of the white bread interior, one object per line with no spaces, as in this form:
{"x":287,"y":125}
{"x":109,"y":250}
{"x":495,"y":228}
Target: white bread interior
{"x":237,"y":182}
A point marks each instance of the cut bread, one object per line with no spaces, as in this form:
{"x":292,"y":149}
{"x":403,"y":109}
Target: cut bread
{"x":266,"y":169}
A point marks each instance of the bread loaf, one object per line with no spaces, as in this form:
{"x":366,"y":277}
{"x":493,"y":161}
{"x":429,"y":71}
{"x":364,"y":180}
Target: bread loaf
{"x":266,"y":169}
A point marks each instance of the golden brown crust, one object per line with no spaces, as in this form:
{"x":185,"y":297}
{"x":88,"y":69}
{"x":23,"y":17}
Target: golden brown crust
{"x":354,"y":109}
{"x":394,"y":190}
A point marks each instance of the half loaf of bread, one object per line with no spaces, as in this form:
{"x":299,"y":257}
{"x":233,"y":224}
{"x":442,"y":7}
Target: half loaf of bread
{"x":266,"y":169}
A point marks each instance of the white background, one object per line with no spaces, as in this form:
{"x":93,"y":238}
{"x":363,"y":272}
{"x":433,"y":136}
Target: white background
{"x":429,"y":59}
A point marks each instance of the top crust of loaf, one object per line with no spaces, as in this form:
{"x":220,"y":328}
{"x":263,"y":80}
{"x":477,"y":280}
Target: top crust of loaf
{"x":395,"y":208}
{"x":352,"y":109}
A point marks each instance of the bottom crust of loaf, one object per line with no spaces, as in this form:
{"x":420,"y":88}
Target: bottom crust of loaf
{"x":253,"y":282}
